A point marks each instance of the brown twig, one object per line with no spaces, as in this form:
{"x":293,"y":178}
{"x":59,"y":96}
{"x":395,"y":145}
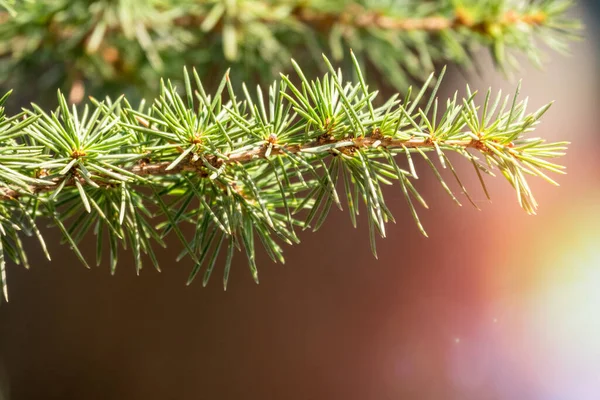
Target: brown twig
{"x":353,"y":15}
{"x":160,"y":168}
{"x":360,"y":17}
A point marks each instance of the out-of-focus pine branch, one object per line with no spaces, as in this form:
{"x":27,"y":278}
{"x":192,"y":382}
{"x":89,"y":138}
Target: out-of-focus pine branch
{"x":117,"y":45}
{"x":237,"y":167}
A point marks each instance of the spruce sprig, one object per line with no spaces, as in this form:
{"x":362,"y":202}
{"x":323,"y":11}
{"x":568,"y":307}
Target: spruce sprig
{"x":236,"y":167}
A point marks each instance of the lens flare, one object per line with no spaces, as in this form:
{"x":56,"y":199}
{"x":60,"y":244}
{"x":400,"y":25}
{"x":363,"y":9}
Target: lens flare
{"x":555,"y":314}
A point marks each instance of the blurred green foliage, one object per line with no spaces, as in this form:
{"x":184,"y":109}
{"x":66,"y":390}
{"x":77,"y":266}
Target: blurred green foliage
{"x":112,"y":47}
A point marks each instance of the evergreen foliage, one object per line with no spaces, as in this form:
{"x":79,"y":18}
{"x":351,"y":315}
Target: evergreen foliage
{"x":239,"y":165}
{"x":110,"y":46}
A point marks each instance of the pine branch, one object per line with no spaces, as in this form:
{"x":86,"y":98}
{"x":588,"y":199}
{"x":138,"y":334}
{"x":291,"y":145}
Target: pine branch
{"x":357,"y":16}
{"x":320,"y":145}
{"x":137,"y":41}
{"x":233,"y":168}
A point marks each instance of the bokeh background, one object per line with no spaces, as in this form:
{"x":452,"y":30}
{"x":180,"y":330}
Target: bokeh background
{"x":493,"y":305}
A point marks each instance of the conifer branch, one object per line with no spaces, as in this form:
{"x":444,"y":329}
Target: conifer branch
{"x":359,"y":17}
{"x":139,"y":40}
{"x":321,"y":145}
{"x":235,"y":167}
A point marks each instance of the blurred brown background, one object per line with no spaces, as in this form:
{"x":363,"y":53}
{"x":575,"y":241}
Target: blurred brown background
{"x":494,"y":305}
